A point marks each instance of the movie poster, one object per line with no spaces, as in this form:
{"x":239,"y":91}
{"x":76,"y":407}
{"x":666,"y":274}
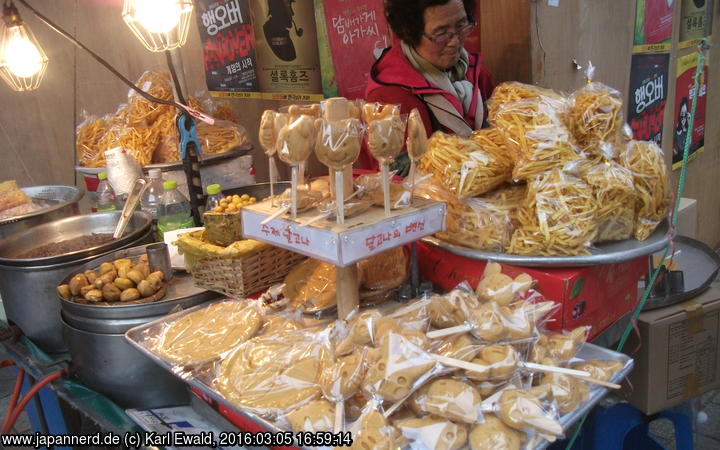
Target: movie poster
{"x":653,"y":25}
{"x":357,"y":33}
{"x":228,"y":44}
{"x":695,"y":21}
{"x":684,"y":90}
{"x":288,"y":65}
{"x":647,"y":96}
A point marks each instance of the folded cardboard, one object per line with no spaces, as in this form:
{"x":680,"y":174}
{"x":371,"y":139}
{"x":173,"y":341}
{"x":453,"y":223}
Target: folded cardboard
{"x":676,"y":357}
{"x":597,"y":296}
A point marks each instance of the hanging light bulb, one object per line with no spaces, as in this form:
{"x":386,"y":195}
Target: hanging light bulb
{"x":22,"y":60}
{"x":159,"y":24}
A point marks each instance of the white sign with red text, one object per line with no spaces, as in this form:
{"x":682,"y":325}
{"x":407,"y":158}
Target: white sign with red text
{"x":342,"y":245}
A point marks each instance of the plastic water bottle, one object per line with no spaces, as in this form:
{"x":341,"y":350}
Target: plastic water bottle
{"x":153,"y":193}
{"x":174,"y":210}
{"x":214,"y":196}
{"x":105,"y":199}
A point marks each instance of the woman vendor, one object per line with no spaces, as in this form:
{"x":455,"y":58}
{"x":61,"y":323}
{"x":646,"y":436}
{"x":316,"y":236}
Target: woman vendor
{"x":430,"y":70}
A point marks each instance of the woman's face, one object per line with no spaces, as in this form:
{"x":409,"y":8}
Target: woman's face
{"x":449,"y":17}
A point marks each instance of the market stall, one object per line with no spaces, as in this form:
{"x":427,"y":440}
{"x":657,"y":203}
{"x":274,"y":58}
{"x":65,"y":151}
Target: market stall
{"x":458,"y":307}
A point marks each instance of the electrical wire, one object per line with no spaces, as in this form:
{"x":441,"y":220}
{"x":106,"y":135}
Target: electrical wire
{"x":105,"y":64}
{"x":14,"y":397}
{"x":7,"y":427}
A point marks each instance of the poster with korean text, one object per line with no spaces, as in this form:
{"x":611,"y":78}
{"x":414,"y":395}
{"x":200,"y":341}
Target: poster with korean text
{"x":684,"y":90}
{"x":357,"y":33}
{"x":288,"y":65}
{"x":648,"y":95}
{"x":228,"y":44}
{"x":695,"y":21}
{"x":653,"y":25}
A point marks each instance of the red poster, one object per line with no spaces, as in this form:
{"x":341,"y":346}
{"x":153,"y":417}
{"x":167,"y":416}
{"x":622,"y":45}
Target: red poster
{"x":658,"y":21}
{"x":684,"y":91}
{"x":357,"y":32}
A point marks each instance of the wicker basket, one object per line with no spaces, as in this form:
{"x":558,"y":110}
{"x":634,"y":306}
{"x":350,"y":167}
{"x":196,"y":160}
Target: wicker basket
{"x":238,"y":270}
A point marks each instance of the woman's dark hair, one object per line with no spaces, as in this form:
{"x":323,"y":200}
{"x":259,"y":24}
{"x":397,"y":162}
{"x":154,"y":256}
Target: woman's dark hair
{"x":406,"y":17}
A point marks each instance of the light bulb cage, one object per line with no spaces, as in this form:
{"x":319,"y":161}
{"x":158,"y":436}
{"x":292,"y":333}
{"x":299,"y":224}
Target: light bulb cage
{"x":159,"y":41}
{"x":13,"y":27}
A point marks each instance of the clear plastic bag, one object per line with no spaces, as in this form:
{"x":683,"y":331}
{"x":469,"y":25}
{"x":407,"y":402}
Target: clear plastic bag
{"x":482,"y":223}
{"x":338,"y":142}
{"x":87,"y":138}
{"x":360,"y":332}
{"x":306,"y":199}
{"x":568,"y":392}
{"x":311,"y":284}
{"x":492,"y":323}
{"x":447,"y":397}
{"x":220,"y":137}
{"x":615,"y":196}
{"x":453,"y":308}
{"x":544,"y":148}
{"x":342,"y":379}
{"x":373,"y":431}
{"x":498,"y":287}
{"x":401,"y":368}
{"x":494,"y":434}
{"x":650,"y":174}
{"x":295,"y":140}
{"x":600,"y":370}
{"x":385,"y":130}
{"x":532,"y":105}
{"x":371,"y":185}
{"x":559,"y":347}
{"x":464,"y":166}
{"x":207,"y":334}
{"x":274,"y":375}
{"x":316,"y":416}
{"x":596,"y":119}
{"x":351,"y":207}
{"x":386,"y":270}
{"x":432,"y":432}
{"x":557,"y":219}
{"x":142,"y":111}
{"x":523,"y":411}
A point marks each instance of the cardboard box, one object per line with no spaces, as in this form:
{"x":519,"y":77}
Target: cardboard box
{"x":596,"y":296}
{"x":678,"y":353}
{"x":687,"y":224}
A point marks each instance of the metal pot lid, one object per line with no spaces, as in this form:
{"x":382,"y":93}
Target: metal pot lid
{"x":49,"y":198}
{"x":70,"y":228}
{"x":179,"y":289}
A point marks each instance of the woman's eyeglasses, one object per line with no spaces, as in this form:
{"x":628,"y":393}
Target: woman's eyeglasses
{"x":461,"y":32}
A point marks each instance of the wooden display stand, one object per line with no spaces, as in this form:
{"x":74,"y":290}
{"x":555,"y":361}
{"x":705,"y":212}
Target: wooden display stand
{"x":344,"y":242}
{"x":343,"y":245}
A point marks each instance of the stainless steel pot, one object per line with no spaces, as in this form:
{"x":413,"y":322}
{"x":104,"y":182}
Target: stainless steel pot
{"x":105,"y":361}
{"x":28,"y":286}
{"x":57,"y":202}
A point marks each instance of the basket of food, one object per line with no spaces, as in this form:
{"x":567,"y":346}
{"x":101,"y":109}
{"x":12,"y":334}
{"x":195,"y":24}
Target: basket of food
{"x":237,"y":270}
{"x":223,"y":224}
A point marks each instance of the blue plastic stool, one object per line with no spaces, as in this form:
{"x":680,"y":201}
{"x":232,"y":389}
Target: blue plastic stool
{"x":623,"y":426}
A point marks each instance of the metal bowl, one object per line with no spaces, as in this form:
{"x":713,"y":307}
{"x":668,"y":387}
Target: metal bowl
{"x":70,"y":228}
{"x":56,"y":202}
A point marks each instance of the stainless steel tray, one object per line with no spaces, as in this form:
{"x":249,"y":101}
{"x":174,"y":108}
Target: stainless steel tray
{"x":587,"y":352}
{"x":606,"y":253}
{"x":699,"y":264}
